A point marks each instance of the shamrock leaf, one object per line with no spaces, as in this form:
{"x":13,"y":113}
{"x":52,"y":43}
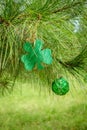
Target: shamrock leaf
{"x":29,"y":64}
{"x":46,"y":54}
{"x":27,"y":47}
{"x":38,"y":45}
{"x":36,"y":56}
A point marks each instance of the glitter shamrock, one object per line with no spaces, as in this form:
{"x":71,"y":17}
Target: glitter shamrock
{"x":35,"y":55}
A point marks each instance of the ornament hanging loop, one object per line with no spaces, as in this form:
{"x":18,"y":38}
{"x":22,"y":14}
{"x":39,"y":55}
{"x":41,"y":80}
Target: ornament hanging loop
{"x":33,"y":32}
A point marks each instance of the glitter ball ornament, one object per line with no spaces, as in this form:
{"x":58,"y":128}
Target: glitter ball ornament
{"x":60,"y":86}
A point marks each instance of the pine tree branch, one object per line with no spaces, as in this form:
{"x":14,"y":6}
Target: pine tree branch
{"x":77,"y":61}
{"x":67,"y":7}
{"x":2,"y":20}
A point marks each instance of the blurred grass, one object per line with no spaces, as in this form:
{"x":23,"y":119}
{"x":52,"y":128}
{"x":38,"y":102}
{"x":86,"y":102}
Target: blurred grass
{"x":29,"y":109}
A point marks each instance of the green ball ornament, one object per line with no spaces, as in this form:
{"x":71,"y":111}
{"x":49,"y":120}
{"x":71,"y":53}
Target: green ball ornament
{"x":60,"y":86}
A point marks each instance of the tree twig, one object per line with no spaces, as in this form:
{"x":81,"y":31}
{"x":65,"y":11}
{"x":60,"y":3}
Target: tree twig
{"x":67,"y":7}
{"x":3,"y":21}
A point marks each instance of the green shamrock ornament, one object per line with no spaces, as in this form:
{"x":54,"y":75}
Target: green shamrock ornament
{"x":35,"y":55}
{"x":60,"y":86}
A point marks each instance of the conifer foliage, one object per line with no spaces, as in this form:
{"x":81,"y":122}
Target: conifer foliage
{"x":60,"y":24}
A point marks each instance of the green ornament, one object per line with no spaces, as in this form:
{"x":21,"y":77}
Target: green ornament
{"x":60,"y":86}
{"x":35,"y":55}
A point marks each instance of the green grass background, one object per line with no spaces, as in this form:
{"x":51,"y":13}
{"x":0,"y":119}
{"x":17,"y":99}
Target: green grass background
{"x":28,"y":108}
